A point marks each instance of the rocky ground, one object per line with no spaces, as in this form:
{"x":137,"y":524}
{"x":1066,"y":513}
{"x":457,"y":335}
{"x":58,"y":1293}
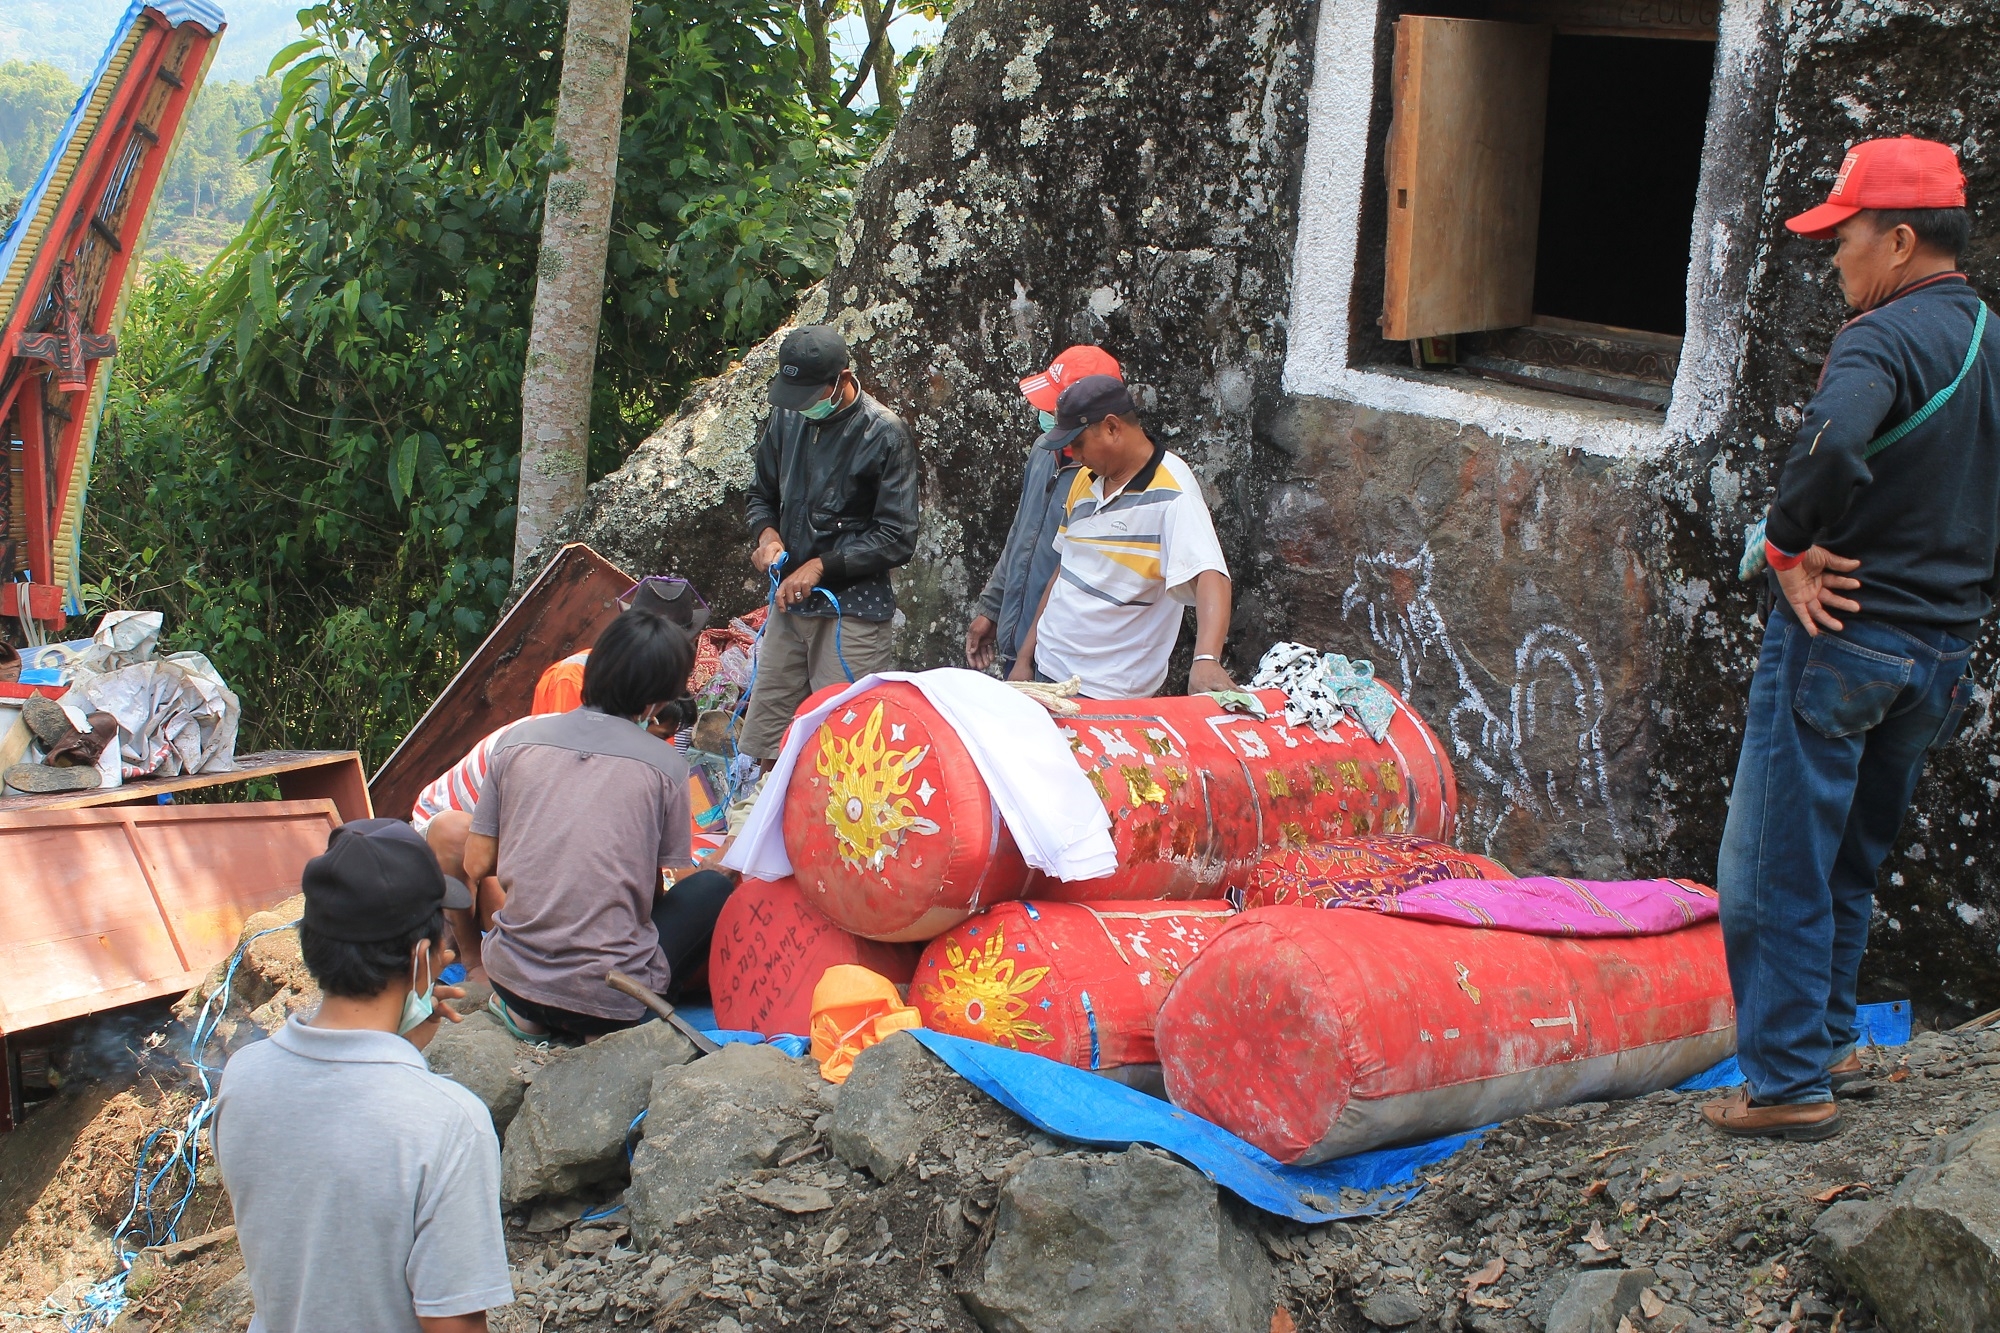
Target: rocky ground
{"x":756,"y":1197}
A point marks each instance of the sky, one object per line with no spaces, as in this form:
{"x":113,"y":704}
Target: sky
{"x":72,"y":34}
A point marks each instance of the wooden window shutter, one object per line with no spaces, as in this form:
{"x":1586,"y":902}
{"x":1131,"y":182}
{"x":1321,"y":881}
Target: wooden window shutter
{"x":1465,"y":175}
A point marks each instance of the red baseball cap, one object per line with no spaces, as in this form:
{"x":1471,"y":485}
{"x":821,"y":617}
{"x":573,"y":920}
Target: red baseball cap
{"x":1886,"y":173}
{"x":1071,"y":364}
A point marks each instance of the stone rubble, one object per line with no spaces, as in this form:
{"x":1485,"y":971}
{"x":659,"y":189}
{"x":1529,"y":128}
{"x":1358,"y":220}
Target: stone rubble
{"x":917,"y":1203}
{"x":574,"y":1118}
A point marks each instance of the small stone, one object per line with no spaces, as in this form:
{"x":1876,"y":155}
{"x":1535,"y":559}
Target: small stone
{"x":1595,"y":1302}
{"x":787,"y":1197}
{"x":570,"y":1131}
{"x":554,"y":1215}
{"x":1392,"y":1307}
{"x":1942,"y":1219}
{"x":717,"y":1120}
{"x":1119,"y":1241}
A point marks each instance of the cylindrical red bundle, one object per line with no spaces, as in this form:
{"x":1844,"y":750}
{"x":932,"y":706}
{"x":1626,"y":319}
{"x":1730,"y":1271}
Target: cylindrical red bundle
{"x":1077,"y":982}
{"x":1327,"y":873}
{"x":1317,"y":1034}
{"x":771,"y":948}
{"x":895,"y":836}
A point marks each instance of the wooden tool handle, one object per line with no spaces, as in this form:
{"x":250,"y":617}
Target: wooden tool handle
{"x":645,"y":995}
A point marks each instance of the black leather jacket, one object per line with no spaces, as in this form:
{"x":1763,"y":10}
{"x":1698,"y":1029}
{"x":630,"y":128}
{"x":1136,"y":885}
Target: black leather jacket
{"x":843,"y":490}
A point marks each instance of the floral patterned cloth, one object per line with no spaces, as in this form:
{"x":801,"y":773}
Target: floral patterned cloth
{"x":1329,"y":873}
{"x":1322,"y":689}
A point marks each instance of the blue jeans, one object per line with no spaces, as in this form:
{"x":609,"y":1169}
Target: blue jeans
{"x":1837,"y":730}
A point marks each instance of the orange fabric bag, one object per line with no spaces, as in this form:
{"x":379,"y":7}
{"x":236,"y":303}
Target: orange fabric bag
{"x":853,"y":1009}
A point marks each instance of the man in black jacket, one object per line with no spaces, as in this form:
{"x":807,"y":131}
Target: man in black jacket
{"x":833,"y":509}
{"x":1882,"y":542}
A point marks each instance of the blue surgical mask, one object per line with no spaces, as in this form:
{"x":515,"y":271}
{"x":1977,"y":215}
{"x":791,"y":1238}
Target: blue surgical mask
{"x":417,"y":1009}
{"x":822,"y":409}
{"x":1048,"y":420}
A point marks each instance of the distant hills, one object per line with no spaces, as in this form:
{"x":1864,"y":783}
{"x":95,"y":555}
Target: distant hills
{"x":71,"y":34}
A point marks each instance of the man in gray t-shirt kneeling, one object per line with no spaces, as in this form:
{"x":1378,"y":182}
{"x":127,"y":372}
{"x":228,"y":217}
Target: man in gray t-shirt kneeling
{"x":366,"y":1188}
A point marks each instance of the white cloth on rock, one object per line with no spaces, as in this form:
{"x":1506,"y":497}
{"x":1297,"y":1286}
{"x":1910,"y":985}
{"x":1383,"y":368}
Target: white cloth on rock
{"x":1049,"y":806}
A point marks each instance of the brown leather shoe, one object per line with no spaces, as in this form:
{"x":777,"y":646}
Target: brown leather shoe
{"x":47,"y":720}
{"x":1847,"y":1071}
{"x":1739,"y":1116}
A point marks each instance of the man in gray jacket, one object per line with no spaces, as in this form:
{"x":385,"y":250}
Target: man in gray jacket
{"x":833,"y":509}
{"x":1006,"y":607}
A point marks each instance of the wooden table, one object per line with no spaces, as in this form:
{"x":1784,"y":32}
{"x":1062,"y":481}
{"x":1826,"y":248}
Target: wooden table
{"x":114,"y":898}
{"x":302,"y":775}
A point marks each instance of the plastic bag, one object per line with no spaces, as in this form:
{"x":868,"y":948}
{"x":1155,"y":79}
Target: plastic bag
{"x":852,"y":1009}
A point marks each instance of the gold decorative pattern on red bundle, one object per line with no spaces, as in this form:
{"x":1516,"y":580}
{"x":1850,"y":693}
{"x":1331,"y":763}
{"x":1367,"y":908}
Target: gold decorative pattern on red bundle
{"x":866,"y":783}
{"x":977,"y":994}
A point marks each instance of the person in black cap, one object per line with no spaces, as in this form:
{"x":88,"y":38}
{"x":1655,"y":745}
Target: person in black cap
{"x":366,"y":1189}
{"x":1137,"y":547}
{"x":832,"y":510}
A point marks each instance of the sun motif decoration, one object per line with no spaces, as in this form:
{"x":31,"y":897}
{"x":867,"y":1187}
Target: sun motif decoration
{"x":866,"y":801}
{"x":977,"y":993}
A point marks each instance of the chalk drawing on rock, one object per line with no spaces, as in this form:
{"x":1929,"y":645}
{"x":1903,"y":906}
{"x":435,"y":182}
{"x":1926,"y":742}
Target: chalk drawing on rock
{"x":1554,"y":704}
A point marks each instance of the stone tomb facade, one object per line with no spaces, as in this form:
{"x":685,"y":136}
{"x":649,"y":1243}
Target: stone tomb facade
{"x":1504,"y":448}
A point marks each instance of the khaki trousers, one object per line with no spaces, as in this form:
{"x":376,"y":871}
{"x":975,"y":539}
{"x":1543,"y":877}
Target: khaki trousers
{"x":796,"y":658}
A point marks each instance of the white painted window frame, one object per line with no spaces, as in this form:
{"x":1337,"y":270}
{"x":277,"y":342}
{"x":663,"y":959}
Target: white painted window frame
{"x":1317,"y":358}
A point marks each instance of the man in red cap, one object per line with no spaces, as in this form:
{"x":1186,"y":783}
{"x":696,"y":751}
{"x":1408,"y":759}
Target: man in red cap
{"x":1882,"y":543}
{"x":1028,"y":561}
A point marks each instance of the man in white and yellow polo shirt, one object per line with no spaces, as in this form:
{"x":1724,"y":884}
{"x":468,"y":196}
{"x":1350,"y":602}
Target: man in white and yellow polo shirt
{"x":1137,"y":548}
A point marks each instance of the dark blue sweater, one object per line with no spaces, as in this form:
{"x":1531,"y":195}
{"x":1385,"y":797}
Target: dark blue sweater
{"x":1922,"y":516}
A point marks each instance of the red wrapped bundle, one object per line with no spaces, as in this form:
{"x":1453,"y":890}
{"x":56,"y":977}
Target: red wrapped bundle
{"x":1076,"y":982}
{"x":1318,"y":1034}
{"x":895,"y":836}
{"x":1328,"y":873}
{"x":771,"y":948}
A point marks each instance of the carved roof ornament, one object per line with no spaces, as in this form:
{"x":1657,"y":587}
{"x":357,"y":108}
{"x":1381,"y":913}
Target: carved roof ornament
{"x":67,"y":345}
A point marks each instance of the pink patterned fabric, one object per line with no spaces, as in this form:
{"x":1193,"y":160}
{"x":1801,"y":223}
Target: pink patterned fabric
{"x":1542,"y":905}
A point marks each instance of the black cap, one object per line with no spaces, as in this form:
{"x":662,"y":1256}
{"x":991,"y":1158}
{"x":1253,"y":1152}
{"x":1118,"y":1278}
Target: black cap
{"x":809,"y":359}
{"x":377,"y":880}
{"x":671,"y":599}
{"x":1084,"y":404}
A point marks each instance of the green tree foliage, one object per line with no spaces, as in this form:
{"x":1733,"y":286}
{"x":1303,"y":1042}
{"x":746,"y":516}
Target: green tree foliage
{"x":318,"y":485}
{"x":35,"y":99}
{"x":209,"y":185}
{"x":213,"y":178}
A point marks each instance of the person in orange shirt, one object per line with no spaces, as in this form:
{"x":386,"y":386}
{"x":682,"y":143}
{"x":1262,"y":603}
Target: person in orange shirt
{"x":560,"y":688}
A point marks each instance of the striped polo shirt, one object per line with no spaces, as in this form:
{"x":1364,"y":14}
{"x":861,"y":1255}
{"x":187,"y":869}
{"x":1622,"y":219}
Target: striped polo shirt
{"x":1129,"y":561}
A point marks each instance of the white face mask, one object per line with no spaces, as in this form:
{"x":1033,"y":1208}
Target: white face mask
{"x":418,"y":1008}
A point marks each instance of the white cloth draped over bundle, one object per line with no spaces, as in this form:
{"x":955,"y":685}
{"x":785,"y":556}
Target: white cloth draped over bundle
{"x":1049,"y":806}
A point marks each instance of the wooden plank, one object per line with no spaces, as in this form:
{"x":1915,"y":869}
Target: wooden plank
{"x":90,"y":917}
{"x":301,"y":775}
{"x":1684,"y":20}
{"x":342,"y":782}
{"x":574,"y":597}
{"x":1465,"y":175}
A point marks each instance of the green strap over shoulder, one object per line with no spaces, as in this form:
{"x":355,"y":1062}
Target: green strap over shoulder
{"x":1752,"y":564}
{"x":1938,"y":399}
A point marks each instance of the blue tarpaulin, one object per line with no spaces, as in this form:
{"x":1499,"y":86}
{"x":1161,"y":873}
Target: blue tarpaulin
{"x":1082,"y":1107}
{"x":1879,"y":1025}
{"x":1078,"y":1105}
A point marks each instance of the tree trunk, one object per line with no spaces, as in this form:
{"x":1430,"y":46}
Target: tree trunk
{"x":569,"y":274}
{"x":888,"y":89}
{"x":819,"y":75}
